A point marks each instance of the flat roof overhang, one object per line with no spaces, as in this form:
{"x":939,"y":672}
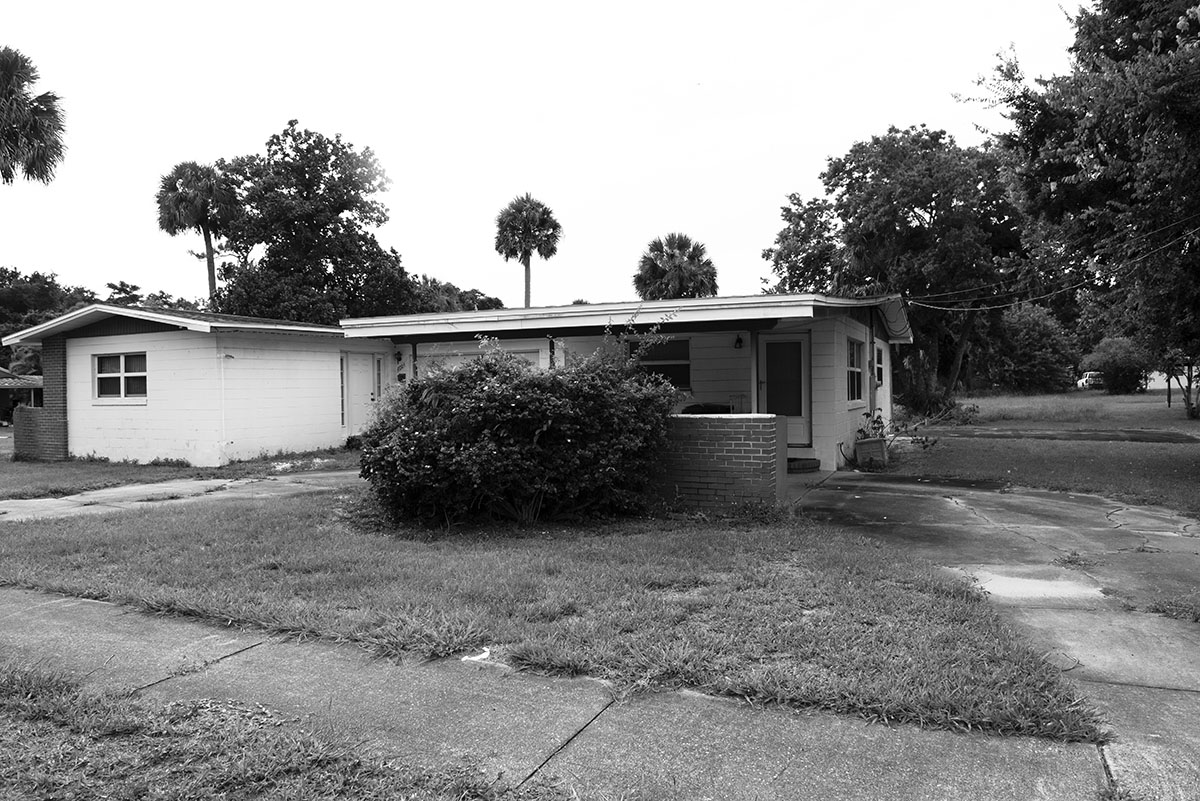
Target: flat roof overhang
{"x":751,"y":313}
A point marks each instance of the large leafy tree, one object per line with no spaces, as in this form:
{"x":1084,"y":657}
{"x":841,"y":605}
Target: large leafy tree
{"x":910,"y":212}
{"x":1110,"y":161}
{"x":300,"y":233}
{"x":524,"y":227}
{"x":673,"y":267}
{"x":31,"y":126}
{"x":29,"y":300}
{"x":196,"y":197}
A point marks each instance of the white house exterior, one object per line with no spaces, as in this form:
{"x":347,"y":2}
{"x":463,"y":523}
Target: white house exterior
{"x":820,"y":361}
{"x":145,"y":384}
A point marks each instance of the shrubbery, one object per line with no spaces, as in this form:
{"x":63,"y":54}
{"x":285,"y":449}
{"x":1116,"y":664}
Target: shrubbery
{"x":499,"y":437}
{"x":1034,"y":353}
{"x":1123,"y":364}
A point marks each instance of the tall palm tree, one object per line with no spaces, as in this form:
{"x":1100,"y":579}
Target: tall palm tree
{"x":675,"y":267}
{"x":193,"y":197}
{"x":524,"y":227}
{"x":31,"y":127}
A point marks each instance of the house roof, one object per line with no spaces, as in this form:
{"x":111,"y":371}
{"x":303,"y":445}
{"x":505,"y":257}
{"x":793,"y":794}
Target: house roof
{"x":754,"y":311}
{"x":11,"y":381}
{"x":184,"y":319}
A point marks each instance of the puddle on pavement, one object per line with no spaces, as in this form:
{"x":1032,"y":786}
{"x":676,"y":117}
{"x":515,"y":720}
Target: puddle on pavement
{"x":1018,"y":587}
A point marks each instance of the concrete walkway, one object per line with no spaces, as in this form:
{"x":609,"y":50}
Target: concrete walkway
{"x":1143,"y":669}
{"x":1074,"y":572}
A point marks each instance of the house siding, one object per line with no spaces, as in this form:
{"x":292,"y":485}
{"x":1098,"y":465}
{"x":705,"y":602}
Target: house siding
{"x":717,"y":461}
{"x":214,"y":398}
{"x":41,"y":432}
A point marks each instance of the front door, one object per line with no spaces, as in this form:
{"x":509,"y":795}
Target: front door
{"x":360,"y":390}
{"x":784,"y":385}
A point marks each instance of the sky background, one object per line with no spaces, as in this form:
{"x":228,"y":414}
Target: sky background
{"x":630,"y":120}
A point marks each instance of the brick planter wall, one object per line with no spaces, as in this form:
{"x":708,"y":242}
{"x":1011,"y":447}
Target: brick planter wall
{"x":715,"y":461}
{"x":41,"y":433}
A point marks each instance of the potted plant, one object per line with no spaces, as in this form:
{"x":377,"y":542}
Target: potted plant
{"x":871,"y":442}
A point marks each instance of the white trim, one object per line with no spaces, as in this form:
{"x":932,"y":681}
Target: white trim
{"x":695,"y":311}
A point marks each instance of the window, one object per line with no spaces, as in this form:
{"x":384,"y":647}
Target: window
{"x":671,"y":359}
{"x":121,"y":375}
{"x":854,"y":371}
{"x":879,"y":372}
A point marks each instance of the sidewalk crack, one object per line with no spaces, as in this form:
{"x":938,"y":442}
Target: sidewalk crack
{"x":567,"y":742}
{"x":202,"y":666}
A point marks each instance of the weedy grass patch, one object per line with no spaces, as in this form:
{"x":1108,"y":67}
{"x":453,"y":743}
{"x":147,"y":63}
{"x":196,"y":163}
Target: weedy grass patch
{"x":795,"y":614}
{"x":58,"y":740}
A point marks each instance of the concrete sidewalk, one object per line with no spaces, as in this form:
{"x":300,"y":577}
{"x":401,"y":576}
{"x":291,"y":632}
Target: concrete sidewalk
{"x":1076,"y":573}
{"x":661,"y":745}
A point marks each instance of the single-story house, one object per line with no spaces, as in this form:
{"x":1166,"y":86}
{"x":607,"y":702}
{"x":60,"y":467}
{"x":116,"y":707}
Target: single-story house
{"x":143,"y":384}
{"x":821,"y":362}
{"x":797,"y":372}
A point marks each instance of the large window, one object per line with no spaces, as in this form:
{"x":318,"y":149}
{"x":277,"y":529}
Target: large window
{"x":121,"y":375}
{"x":854,"y":370}
{"x":671,"y":359}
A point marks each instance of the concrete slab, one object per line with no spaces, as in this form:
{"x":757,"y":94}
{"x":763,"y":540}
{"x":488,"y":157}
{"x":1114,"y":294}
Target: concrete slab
{"x":436,"y":711}
{"x":1037,"y":585}
{"x":1125,"y":648}
{"x":1157,"y":754}
{"x":689,"y":746}
{"x":109,"y":644}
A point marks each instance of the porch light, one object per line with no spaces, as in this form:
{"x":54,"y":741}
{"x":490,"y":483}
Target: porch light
{"x":737,"y":343}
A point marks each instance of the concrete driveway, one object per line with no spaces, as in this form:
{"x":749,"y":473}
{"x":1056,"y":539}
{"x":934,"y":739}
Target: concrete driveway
{"x":1077,"y":574}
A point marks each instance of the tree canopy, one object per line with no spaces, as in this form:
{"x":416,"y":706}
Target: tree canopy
{"x":909,"y":212}
{"x":1109,"y":162}
{"x":29,"y":300}
{"x":675,"y":267}
{"x":31,"y":126}
{"x":196,"y":197}
{"x":524,"y":227}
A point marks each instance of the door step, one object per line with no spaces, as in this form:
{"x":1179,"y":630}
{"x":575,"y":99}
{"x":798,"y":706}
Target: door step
{"x":803,"y":465}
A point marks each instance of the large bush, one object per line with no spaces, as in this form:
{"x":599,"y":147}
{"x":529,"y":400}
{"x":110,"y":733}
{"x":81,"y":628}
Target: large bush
{"x":1034,"y":353}
{"x":1123,"y":364}
{"x":499,"y":437}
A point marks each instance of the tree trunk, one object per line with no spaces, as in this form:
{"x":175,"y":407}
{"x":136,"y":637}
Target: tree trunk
{"x":960,"y":350}
{"x":525,"y":260}
{"x":212,"y":267}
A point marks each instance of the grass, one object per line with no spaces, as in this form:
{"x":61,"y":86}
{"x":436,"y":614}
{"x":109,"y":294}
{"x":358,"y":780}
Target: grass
{"x":60,"y":741}
{"x":792,"y":614}
{"x":1138,"y":472}
{"x":1181,"y":607}
{"x":1084,"y":409}
{"x":55,"y":479}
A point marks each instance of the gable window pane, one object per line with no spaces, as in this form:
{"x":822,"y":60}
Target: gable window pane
{"x":135,"y":386}
{"x":135,"y":363}
{"x":108,"y":364}
{"x":108,"y":387}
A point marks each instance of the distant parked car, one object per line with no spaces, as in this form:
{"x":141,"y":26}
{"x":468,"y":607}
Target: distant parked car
{"x":1091,"y":380}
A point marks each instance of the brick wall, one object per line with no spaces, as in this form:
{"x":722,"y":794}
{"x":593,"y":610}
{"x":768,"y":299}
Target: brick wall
{"x":715,"y":461}
{"x":41,"y":433}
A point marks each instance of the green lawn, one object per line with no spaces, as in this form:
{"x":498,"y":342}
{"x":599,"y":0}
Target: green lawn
{"x":792,"y":613}
{"x":58,"y":741}
{"x":54,"y":479}
{"x":1138,"y":472}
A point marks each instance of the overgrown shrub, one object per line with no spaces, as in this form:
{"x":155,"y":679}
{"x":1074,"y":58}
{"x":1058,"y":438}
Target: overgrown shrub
{"x":1034,"y":354}
{"x":499,"y":437}
{"x":1123,"y":364}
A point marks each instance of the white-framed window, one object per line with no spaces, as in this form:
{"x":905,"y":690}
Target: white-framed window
{"x":342,"y":385}
{"x":671,"y":359}
{"x":119,"y":376}
{"x":854,"y":370}
{"x":378,"y":378}
{"x":879,"y":366}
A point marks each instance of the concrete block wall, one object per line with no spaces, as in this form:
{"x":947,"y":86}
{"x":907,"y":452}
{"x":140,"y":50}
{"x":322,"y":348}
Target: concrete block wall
{"x":716,"y":461}
{"x":41,"y":433}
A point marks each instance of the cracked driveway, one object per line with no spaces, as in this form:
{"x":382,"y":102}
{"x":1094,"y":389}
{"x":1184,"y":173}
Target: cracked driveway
{"x":1076,"y":573}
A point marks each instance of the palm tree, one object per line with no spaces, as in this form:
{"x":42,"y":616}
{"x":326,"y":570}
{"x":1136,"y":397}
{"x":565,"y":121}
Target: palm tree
{"x":31,"y":128}
{"x":194,"y":197}
{"x":675,"y":267}
{"x":523,"y":227}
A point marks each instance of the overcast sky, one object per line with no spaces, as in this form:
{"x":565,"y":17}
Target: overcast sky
{"x":630,"y":120}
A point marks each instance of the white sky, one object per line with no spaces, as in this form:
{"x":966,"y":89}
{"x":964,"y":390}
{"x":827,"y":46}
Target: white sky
{"x":630,"y":120}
